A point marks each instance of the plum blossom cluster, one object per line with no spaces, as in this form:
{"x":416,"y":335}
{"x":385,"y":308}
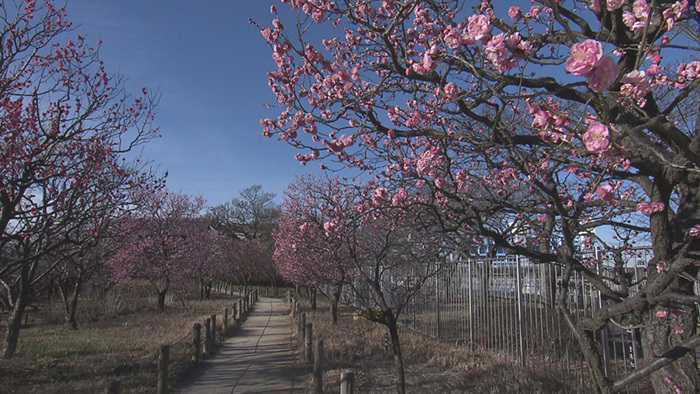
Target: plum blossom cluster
{"x":635,"y":87}
{"x":503,"y":50}
{"x":650,"y":208}
{"x":587,"y":60}
{"x":549,"y":120}
{"x":687,"y":72}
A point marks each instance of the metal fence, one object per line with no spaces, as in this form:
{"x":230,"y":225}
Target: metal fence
{"x":506,"y":304}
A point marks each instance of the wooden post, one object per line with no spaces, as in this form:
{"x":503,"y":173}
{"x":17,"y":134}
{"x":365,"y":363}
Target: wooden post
{"x":347,"y":381}
{"x":318,"y":365}
{"x":113,"y":387}
{"x":207,"y":336}
{"x":213,"y":330}
{"x":302,"y":325}
{"x":225,"y":321}
{"x":308,"y":341}
{"x":235,"y":313}
{"x":196,"y":342}
{"x":163,"y":360}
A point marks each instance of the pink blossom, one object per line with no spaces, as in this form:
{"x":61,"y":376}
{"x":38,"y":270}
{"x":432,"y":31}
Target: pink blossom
{"x":596,"y":6}
{"x":605,"y":192}
{"x":644,"y":208}
{"x":674,"y":13}
{"x":515,"y":12}
{"x":678,"y":329}
{"x":596,"y":138}
{"x":453,"y":38}
{"x":603,"y":74}
{"x":534,"y":12}
{"x":662,"y":314}
{"x":478,"y":26}
{"x":635,"y":86}
{"x":271,"y":35}
{"x":687,"y":72}
{"x":330,"y":226}
{"x":518,"y":46}
{"x":399,"y":197}
{"x":451,"y":91}
{"x":380,"y":194}
{"x":660,"y":267}
{"x":497,"y":53}
{"x":584,"y":56}
{"x":636,"y":19}
{"x":695,"y":231}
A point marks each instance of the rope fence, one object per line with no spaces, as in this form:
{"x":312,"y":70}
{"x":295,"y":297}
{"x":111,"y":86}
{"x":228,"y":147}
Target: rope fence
{"x":178,"y":357}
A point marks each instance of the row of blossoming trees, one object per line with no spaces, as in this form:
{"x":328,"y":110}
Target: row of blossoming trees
{"x":553,"y":121}
{"x":170,"y":244}
{"x":74,"y":205}
{"x":65,"y":125}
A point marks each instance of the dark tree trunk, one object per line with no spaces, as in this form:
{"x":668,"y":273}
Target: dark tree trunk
{"x":14,"y":320}
{"x":70,"y":301}
{"x":207,"y":290}
{"x":398,"y":357}
{"x":334,"y":303}
{"x":161,"y":300}
{"x":313,"y":299}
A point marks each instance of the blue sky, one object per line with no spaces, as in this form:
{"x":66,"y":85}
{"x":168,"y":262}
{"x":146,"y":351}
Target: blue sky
{"x":210,"y":67}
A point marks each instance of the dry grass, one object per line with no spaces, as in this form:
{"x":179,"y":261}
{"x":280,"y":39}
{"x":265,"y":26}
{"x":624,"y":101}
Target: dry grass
{"x":431,"y":366}
{"x":118,"y":338}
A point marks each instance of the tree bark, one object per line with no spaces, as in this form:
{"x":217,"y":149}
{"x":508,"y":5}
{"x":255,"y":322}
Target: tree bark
{"x":398,"y":357}
{"x":682,"y":374}
{"x":70,"y":302}
{"x":161,"y":300}
{"x":335,"y":302}
{"x":313,"y":299}
{"x":14,"y":320}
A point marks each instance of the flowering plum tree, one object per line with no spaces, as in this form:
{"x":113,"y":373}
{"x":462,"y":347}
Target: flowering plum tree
{"x":342,"y":234}
{"x":552,"y":120}
{"x":305,"y":254}
{"x":165,"y":243}
{"x":64,"y":125}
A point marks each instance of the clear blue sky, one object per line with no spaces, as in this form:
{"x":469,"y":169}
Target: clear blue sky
{"x":210,"y":66}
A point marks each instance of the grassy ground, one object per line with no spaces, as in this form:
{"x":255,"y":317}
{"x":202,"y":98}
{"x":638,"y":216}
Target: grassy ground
{"x":431,"y":366}
{"x":118,"y":338}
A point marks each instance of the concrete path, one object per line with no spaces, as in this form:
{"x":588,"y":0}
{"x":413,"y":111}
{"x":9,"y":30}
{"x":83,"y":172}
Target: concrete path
{"x":257,"y":359}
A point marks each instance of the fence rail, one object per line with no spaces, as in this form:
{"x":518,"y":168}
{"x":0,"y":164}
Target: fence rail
{"x":506,"y":304}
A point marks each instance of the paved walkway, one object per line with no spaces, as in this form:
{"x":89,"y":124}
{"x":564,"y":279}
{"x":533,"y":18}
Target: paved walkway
{"x":257,"y":359}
